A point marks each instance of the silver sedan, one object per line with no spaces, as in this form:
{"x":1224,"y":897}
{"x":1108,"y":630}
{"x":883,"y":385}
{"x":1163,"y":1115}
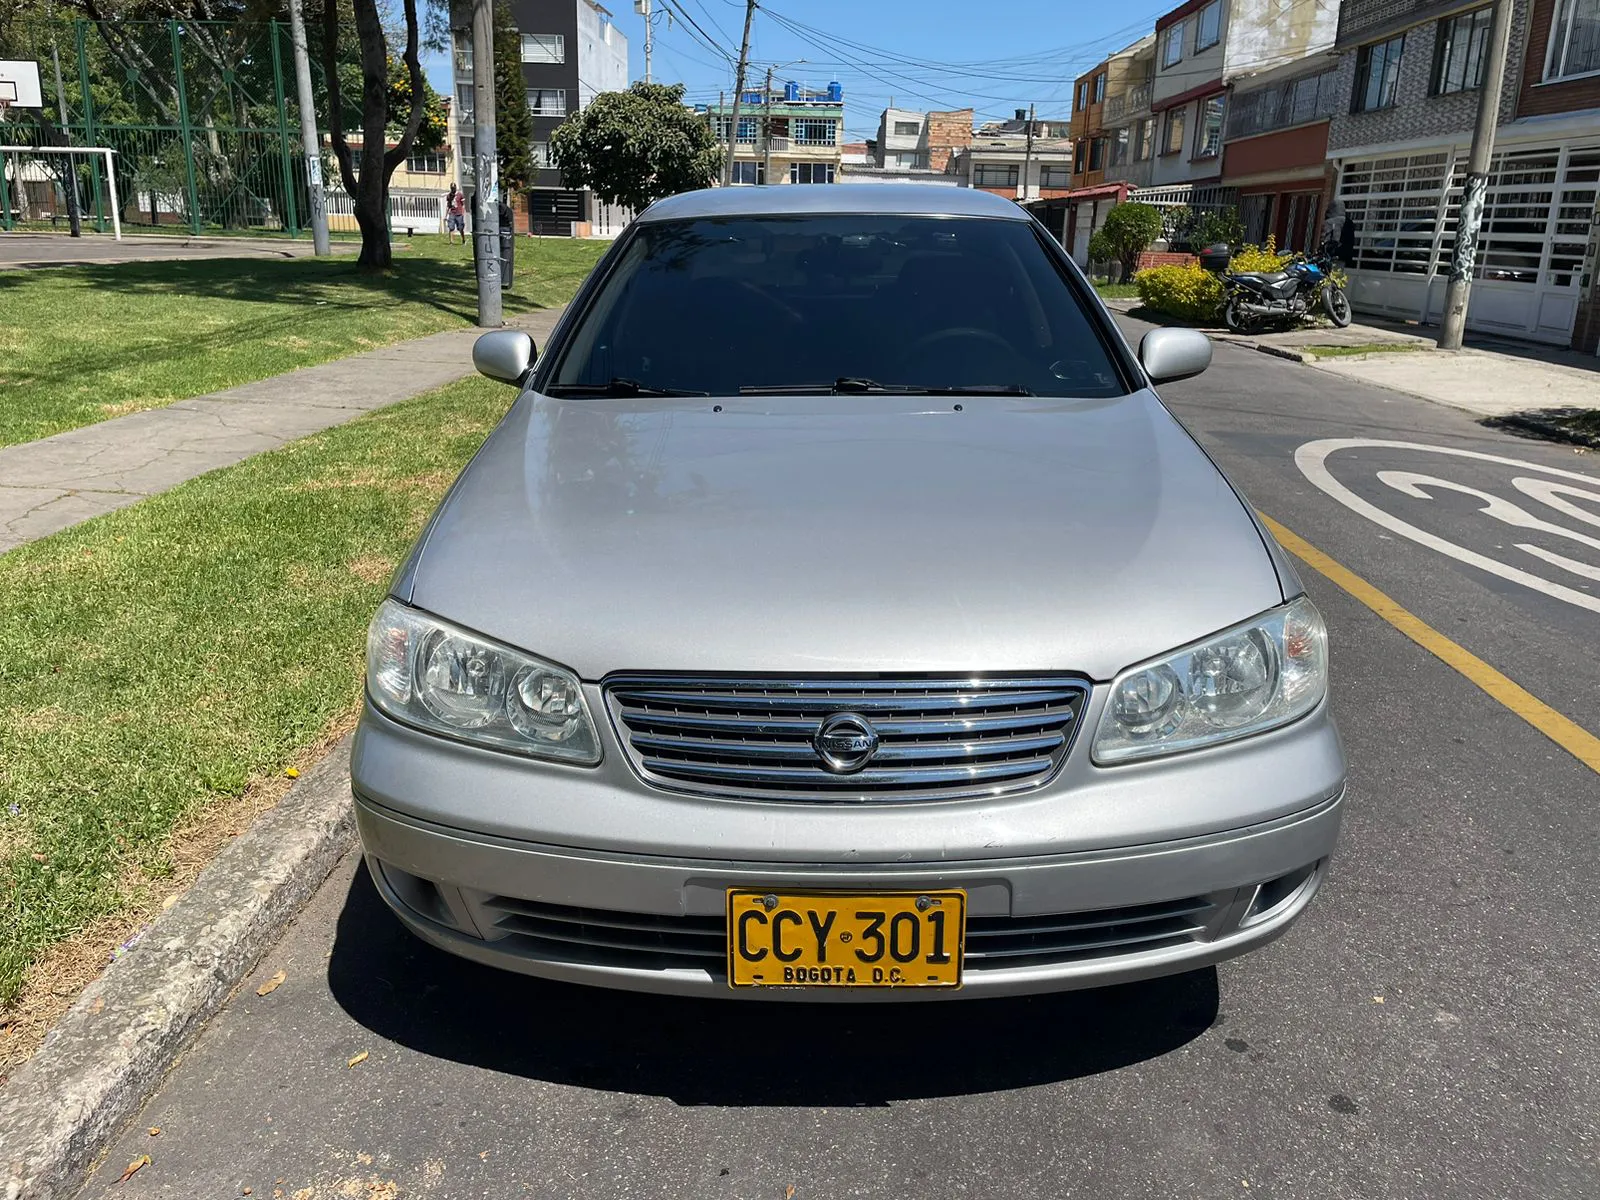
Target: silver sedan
{"x":838,"y":613}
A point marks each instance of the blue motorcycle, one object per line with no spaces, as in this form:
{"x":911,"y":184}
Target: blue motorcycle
{"x":1254,"y":298}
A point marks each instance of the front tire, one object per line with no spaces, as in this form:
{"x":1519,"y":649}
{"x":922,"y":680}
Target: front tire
{"x":1336,"y":304}
{"x":1234,"y":315}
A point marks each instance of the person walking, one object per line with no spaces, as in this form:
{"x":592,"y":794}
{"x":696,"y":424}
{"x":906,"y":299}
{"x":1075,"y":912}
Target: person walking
{"x":455,"y":214}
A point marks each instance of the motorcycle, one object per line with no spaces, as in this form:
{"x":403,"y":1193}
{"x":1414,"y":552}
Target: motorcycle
{"x":1253,"y":297}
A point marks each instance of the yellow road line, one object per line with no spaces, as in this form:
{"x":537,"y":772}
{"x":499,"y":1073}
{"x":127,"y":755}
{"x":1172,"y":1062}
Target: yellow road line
{"x":1560,"y":729}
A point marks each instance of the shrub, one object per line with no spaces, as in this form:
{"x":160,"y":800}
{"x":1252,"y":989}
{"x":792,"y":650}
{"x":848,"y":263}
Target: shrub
{"x":1189,"y":293}
{"x":1128,"y":230}
{"x":1259,"y":258}
{"x":1214,"y":226}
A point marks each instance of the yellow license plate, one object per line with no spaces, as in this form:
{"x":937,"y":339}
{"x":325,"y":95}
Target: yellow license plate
{"x":835,"y":939}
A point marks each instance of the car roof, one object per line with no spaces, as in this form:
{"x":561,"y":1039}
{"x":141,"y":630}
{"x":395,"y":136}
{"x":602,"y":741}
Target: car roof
{"x":906,"y":199}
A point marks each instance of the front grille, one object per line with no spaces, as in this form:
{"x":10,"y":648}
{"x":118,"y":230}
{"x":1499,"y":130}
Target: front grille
{"x":601,"y":937}
{"x":938,"y":738}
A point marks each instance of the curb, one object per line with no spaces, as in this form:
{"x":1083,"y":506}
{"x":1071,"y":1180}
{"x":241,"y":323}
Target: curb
{"x":115,"y":1044}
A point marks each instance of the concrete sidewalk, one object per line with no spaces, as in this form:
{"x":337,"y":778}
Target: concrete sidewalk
{"x":1491,"y":377}
{"x":26,"y":250}
{"x":50,"y":484}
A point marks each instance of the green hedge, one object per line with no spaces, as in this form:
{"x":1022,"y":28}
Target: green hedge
{"x":1188,"y":293}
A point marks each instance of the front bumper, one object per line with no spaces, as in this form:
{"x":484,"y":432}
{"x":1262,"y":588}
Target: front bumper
{"x":653,"y":923}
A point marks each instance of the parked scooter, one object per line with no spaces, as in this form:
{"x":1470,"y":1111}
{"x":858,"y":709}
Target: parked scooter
{"x":1253,"y":298}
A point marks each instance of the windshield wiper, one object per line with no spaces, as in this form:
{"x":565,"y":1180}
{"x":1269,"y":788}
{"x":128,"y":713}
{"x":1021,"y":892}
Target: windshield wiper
{"x":619,"y":386}
{"x":856,"y":385}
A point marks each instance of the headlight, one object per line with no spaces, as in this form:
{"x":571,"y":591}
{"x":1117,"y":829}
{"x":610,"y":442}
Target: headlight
{"x":430,"y":674}
{"x":1259,"y":675}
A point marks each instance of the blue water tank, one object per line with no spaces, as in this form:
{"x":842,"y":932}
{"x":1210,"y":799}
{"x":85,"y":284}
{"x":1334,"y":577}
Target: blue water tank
{"x":835,"y":92}
{"x":791,"y":92}
{"x":751,"y":98}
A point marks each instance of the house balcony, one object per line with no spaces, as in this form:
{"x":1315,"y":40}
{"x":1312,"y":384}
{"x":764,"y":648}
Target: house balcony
{"x":1134,"y":101}
{"x":1135,"y":173}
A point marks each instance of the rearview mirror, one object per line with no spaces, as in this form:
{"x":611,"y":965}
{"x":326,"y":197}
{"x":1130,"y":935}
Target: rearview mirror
{"x":505,"y":354}
{"x":1169,"y":354}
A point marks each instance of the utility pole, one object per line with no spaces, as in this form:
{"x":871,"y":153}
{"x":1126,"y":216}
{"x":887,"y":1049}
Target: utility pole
{"x":486,"y":170}
{"x":738,"y":90}
{"x":642,"y":7}
{"x":74,"y":208}
{"x":310,"y":141}
{"x":1027,"y":157}
{"x":1453,"y":325}
{"x":766,"y":130}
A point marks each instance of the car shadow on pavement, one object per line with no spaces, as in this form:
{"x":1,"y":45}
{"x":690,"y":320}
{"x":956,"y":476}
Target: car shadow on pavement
{"x":715,"y":1052}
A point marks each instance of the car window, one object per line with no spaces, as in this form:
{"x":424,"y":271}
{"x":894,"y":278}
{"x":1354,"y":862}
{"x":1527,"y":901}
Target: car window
{"x":716,"y":305}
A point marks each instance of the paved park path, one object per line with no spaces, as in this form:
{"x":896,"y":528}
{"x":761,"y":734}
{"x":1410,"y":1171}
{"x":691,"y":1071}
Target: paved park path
{"x":56,"y":482}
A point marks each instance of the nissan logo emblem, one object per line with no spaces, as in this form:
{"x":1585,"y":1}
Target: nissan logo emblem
{"x":845,"y":743}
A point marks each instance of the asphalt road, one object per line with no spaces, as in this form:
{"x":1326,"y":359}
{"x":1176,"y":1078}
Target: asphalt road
{"x":1430,"y":1029}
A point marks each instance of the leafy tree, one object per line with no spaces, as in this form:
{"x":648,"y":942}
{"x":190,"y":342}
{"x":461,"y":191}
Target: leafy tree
{"x":368,"y":186}
{"x":1213,"y":226}
{"x":513,"y":122}
{"x":634,"y":147}
{"x":1127,"y":233}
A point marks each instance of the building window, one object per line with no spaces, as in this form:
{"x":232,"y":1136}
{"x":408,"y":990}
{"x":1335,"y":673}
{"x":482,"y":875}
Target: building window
{"x":1080,"y":155}
{"x":464,"y":103}
{"x":427,"y":163}
{"x":1208,"y":26}
{"x":814,"y":131}
{"x":1208,"y":134}
{"x":1097,"y":154}
{"x":547,"y":102}
{"x":1172,"y":45}
{"x":544,"y":48}
{"x":810,"y":172}
{"x":1119,"y":147}
{"x":751,"y":172}
{"x":994,"y":175}
{"x":463,"y":62}
{"x":540,"y":153}
{"x":1055,"y":177}
{"x":1574,"y":39}
{"x":469,"y":157}
{"x":1458,"y":52}
{"x":1173,"y":143}
{"x":1083,"y":95}
{"x":1377,"y":74}
{"x":1100,"y":88}
{"x":906,"y":129}
{"x":1279,"y":105}
{"x":749,"y":127}
{"x":1144,"y":140}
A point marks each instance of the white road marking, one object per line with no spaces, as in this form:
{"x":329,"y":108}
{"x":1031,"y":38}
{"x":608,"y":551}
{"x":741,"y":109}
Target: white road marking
{"x":1546,"y":492}
{"x":1410,"y":483}
{"x":1312,"y":457}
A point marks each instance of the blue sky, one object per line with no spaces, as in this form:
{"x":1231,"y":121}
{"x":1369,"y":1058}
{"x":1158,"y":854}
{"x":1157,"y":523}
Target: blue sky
{"x":995,"y":57}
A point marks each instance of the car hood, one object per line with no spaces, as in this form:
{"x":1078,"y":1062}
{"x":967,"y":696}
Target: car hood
{"x":842,"y":533}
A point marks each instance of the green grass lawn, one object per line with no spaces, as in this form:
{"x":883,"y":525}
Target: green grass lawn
{"x":1336,"y":351}
{"x":160,"y":659}
{"x":1117,"y":291}
{"x":81,"y":344}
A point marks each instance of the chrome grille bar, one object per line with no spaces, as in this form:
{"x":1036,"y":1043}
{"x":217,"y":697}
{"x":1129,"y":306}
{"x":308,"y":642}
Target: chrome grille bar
{"x":935,"y":738}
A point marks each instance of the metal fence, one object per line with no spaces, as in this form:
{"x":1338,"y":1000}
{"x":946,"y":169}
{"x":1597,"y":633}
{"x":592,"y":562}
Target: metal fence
{"x":205,"y":132}
{"x":1180,"y":203}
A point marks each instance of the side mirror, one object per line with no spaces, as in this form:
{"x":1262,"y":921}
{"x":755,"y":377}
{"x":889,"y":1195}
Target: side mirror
{"x":505,"y":354}
{"x":1169,"y":354}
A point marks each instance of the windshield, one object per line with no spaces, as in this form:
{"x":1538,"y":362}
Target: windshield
{"x":836,"y":303}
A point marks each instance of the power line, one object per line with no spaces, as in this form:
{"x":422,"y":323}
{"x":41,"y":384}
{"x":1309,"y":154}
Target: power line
{"x":704,"y":38}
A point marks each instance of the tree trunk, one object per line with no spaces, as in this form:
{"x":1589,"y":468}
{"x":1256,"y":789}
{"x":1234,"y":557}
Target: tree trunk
{"x":369,"y":191}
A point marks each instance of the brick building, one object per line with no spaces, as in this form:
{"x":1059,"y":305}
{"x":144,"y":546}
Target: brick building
{"x":1409,"y":72}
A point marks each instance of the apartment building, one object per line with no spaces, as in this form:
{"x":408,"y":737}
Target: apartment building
{"x":1022,"y":159}
{"x":1408,"y":77}
{"x":571,"y":52}
{"x":1127,"y":120}
{"x":791,"y":134}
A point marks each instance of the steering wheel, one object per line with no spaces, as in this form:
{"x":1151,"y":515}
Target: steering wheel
{"x":968,"y":333}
